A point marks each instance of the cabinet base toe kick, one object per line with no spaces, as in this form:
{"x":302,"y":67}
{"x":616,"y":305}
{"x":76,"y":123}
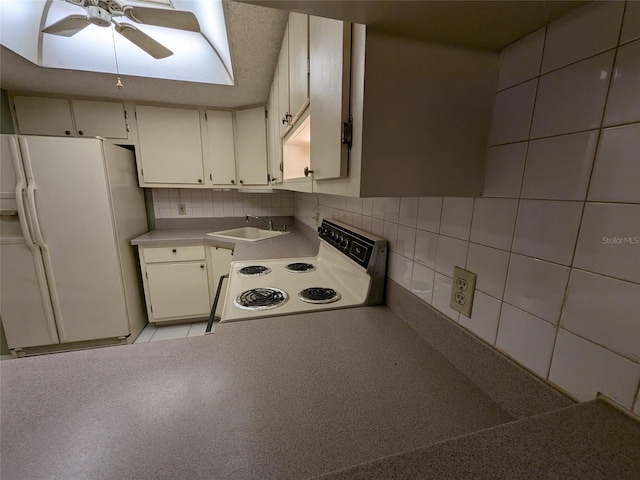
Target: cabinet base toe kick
{"x":69,"y":347}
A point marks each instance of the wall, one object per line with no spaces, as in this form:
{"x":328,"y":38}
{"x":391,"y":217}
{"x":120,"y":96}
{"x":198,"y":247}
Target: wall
{"x":555,"y":238}
{"x":219,"y":203}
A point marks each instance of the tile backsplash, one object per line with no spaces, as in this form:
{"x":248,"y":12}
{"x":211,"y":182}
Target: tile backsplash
{"x":219,"y":203}
{"x":555,"y":239}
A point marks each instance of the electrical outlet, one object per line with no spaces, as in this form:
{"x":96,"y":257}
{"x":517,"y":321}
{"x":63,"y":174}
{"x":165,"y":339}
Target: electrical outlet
{"x":182,"y":209}
{"x":463,"y":288}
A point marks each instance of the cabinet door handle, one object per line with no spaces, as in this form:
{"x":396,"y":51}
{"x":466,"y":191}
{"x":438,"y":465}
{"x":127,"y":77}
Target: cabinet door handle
{"x":242,"y":181}
{"x":199,"y":180}
{"x":201,"y":266}
{"x":307,"y":171}
{"x":174,"y":250}
{"x":80,"y":132}
{"x":67,"y":132}
{"x":233,"y":181}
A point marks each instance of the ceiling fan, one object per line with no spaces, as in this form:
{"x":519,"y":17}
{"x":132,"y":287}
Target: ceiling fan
{"x":103,"y":13}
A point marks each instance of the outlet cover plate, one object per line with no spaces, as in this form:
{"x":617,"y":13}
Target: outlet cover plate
{"x":463,"y":288}
{"x":182,"y":209}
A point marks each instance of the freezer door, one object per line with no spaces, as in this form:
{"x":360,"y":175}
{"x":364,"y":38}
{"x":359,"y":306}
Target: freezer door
{"x":73,"y":225}
{"x":26,"y":310}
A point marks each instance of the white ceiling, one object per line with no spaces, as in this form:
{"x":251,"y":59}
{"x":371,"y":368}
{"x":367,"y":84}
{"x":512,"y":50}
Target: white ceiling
{"x":255,"y":34}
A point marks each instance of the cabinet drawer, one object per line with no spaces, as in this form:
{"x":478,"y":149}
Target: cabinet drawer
{"x":173,"y":254}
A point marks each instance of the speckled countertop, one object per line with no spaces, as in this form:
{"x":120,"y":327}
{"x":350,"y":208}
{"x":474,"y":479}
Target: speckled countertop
{"x":283,"y":397}
{"x":293,"y":244}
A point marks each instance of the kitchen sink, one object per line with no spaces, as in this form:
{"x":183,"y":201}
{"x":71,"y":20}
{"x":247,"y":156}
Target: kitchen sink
{"x":247,"y":234}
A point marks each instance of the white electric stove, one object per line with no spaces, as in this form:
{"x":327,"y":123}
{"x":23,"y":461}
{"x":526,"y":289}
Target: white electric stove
{"x":348,"y":271}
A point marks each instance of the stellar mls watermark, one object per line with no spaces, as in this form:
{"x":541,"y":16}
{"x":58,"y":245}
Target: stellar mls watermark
{"x":620,"y":240}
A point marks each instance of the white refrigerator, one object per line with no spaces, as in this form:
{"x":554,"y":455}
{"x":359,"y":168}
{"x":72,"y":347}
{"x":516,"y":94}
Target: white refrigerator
{"x":69,"y":275}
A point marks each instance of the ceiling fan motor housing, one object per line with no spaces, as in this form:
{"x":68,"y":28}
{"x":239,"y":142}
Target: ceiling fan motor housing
{"x":98,"y":16}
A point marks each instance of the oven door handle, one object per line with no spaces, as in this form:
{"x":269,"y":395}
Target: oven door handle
{"x":212,"y":315}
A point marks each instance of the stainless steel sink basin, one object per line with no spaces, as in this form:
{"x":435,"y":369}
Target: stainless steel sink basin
{"x":247,"y":234}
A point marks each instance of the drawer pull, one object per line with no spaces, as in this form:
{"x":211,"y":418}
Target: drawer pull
{"x":174,"y":251}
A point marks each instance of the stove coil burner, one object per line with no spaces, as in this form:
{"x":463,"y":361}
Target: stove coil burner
{"x":319,"y":295}
{"x":261,"y":299}
{"x":300,"y":267}
{"x":254,"y":271}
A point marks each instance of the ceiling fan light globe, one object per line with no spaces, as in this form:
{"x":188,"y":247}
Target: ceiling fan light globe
{"x":98,"y":16}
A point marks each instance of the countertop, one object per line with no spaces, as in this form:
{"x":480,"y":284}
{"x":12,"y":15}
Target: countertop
{"x":293,"y":244}
{"x":285,"y":397}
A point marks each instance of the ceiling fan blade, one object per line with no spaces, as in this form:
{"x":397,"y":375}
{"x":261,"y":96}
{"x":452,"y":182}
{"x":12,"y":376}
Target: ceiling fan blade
{"x":163,"y":17}
{"x":142,"y":40}
{"x":68,"y":26}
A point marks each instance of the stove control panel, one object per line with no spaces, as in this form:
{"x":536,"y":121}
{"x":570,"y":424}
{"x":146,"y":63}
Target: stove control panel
{"x":354,"y":245}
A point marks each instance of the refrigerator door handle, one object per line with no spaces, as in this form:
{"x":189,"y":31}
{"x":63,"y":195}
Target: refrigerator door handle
{"x":33,"y":212}
{"x":27,"y":228}
{"x":31,"y":194}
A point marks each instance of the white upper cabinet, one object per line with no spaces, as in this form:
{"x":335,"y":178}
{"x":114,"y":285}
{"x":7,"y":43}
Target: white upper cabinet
{"x":222,"y":150}
{"x":251,"y":138}
{"x":298,"y":64}
{"x":421,"y":115}
{"x":330,"y":57}
{"x":273,"y":135}
{"x":170,"y":146}
{"x":99,"y":119}
{"x":284,"y":113}
{"x":64,"y":118}
{"x":43,"y":116}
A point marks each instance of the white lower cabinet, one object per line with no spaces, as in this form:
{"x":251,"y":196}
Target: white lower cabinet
{"x":179,"y":282}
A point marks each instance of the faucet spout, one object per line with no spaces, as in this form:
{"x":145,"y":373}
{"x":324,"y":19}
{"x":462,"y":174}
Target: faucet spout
{"x":268,"y":222}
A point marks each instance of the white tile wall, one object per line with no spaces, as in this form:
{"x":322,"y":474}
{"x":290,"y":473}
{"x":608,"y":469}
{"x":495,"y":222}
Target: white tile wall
{"x":609,"y":241}
{"x":582,"y":334}
{"x":526,"y":338}
{"x":609,"y":318}
{"x":569,"y":157}
{"x":623,"y":105}
{"x":616,"y":174}
{"x":547,"y":229}
{"x":583,"y":368}
{"x":422,"y":282}
{"x":521,"y":61}
{"x":631,"y":23}
{"x":536,"y":286}
{"x":593,"y":30}
{"x":505,"y":164}
{"x":512,"y":113}
{"x":484,"y":317}
{"x":456,"y":217}
{"x":219,"y":203}
{"x":490,"y":264}
{"x":572,"y":98}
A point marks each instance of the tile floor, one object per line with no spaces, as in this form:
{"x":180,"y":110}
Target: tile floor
{"x":155,"y":333}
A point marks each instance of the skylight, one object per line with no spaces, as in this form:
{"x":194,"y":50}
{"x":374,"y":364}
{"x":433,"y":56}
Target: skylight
{"x":200,"y":56}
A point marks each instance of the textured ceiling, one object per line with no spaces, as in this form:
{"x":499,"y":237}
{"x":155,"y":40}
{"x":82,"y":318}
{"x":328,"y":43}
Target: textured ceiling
{"x":473,"y":23}
{"x":255,"y":34}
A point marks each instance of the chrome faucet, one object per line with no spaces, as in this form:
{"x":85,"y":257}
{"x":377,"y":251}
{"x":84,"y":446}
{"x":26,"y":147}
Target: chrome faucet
{"x":268,"y":223}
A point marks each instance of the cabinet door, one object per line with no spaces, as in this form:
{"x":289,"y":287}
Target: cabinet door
{"x":104,"y":119}
{"x":179,"y":290}
{"x":330,"y":56}
{"x":222,"y":151}
{"x":170,"y":145}
{"x":251,"y":133}
{"x":283,"y":84}
{"x":273,"y":135}
{"x":43,"y":116}
{"x":298,"y":63}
